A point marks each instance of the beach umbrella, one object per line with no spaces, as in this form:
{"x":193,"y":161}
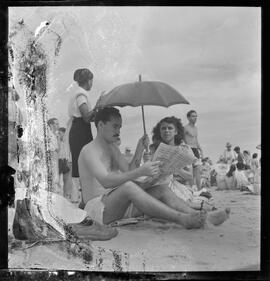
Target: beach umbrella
{"x":142,"y":93}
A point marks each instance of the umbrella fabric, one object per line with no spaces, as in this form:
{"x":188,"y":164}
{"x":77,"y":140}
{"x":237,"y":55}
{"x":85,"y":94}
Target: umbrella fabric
{"x":142,"y":93}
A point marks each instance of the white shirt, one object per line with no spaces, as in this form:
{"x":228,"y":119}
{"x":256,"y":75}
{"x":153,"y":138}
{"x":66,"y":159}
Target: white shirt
{"x":79,"y":97}
{"x":53,"y":142}
{"x":229,"y":156}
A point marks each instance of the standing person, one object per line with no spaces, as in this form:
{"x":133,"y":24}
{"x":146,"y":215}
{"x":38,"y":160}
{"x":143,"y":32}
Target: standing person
{"x":64,"y":166}
{"x":229,"y":154}
{"x":247,"y":159}
{"x":254,"y":162}
{"x":239,"y":155}
{"x":54,"y":150}
{"x":81,"y":115}
{"x":191,"y":138}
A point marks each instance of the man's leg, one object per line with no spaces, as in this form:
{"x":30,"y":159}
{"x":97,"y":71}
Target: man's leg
{"x":117,"y":202}
{"x":168,"y":197}
{"x":67,"y":181}
{"x":165,"y":195}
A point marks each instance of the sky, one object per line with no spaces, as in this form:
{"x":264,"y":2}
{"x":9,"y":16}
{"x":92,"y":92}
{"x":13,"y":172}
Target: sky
{"x":211,"y":55}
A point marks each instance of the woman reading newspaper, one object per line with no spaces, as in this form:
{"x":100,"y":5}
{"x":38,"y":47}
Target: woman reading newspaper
{"x":170,"y":148}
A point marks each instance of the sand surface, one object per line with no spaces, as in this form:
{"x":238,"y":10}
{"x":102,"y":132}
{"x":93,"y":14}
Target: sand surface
{"x":157,"y":246}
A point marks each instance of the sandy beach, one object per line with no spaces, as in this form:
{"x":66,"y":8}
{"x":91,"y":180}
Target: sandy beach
{"x":157,"y":246}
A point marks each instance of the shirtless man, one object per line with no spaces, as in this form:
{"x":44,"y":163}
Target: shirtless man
{"x":108,"y":187}
{"x":191,"y":138}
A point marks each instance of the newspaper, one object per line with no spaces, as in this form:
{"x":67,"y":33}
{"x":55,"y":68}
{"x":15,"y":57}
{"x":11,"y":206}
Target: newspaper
{"x":172,"y":159}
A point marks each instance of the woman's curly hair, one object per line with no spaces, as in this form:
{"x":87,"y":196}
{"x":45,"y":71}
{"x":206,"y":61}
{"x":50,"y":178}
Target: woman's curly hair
{"x":156,"y":137}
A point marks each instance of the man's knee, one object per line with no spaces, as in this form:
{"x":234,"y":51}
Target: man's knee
{"x":159,"y":191}
{"x":130,"y":188}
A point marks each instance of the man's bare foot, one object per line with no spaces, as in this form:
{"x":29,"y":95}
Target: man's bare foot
{"x":195,"y":220}
{"x":92,"y":230}
{"x":219,"y":216}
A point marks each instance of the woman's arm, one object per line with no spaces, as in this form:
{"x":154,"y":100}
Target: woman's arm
{"x":141,"y":146}
{"x":88,"y":116}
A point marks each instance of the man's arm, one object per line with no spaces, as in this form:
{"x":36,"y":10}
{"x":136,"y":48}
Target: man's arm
{"x":198,"y":145}
{"x":109,"y":180}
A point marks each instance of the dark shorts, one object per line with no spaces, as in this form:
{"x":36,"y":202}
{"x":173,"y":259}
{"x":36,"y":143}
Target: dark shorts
{"x":196,"y":152}
{"x":63,"y":166}
{"x":80,"y":134}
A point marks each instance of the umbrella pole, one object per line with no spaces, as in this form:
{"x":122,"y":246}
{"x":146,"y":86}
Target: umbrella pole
{"x":144,"y":130}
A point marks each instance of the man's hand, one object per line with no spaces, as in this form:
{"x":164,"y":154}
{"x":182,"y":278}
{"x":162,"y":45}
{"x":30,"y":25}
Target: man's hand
{"x":150,"y":168}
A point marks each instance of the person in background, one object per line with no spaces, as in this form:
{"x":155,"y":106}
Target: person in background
{"x":128,"y":155}
{"x":229,"y":155}
{"x":242,"y":182}
{"x":247,"y":159}
{"x":79,"y":127}
{"x":54,"y":150}
{"x":205,"y":173}
{"x":64,"y":166}
{"x":254,"y":163}
{"x":239,"y":155}
{"x":191,"y":138}
{"x":230,"y":178}
{"x":257,"y":176}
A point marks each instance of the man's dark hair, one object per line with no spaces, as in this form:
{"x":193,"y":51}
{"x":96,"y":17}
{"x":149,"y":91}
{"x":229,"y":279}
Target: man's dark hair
{"x":51,"y":121}
{"x":237,"y":149}
{"x":254,"y":155}
{"x":190,"y":112}
{"x":105,"y":114}
{"x":62,"y":129}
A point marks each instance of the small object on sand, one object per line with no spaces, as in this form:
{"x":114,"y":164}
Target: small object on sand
{"x":124,"y":222}
{"x":206,"y":194}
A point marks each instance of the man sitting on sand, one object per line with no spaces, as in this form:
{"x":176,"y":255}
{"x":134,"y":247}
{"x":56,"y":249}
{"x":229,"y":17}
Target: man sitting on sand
{"x":108,"y":187}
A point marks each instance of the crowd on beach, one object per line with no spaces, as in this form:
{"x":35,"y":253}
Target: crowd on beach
{"x":94,"y":175}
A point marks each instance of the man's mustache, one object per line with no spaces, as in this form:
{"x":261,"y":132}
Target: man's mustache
{"x":117,"y":135}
